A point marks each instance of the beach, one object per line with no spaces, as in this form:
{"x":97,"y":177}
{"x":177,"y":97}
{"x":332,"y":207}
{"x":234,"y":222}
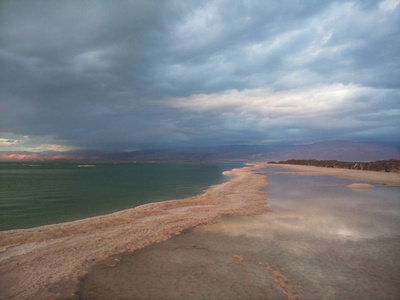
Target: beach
{"x":223,"y":242}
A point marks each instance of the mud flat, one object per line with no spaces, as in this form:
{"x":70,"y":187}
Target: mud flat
{"x":46,"y":262}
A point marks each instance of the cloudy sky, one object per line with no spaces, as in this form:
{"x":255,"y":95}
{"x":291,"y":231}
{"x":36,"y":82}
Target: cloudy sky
{"x":126,"y":75}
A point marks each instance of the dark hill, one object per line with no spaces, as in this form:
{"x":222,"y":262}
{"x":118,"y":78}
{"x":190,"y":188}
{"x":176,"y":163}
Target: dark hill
{"x":392,"y":165}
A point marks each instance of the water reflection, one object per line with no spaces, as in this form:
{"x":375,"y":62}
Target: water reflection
{"x":335,"y":242}
{"x":333,"y":210}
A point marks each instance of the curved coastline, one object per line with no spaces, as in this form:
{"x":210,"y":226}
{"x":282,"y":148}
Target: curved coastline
{"x":33,"y":261}
{"x":47,"y":262}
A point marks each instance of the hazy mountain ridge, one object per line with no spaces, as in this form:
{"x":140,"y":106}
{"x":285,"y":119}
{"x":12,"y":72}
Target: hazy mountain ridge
{"x":340,"y":151}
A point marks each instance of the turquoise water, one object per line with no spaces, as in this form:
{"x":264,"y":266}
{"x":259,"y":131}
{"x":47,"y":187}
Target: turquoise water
{"x":41,"y":194}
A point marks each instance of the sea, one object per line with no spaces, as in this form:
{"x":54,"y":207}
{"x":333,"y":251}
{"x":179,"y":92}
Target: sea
{"x":47,"y":193}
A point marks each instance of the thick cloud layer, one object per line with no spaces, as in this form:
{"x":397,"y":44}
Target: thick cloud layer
{"x":123,"y":75}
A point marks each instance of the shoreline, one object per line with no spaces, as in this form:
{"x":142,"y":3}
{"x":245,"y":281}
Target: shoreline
{"x":49,"y":261}
{"x":34,"y":261}
{"x":275,"y":256}
{"x":384,"y":178}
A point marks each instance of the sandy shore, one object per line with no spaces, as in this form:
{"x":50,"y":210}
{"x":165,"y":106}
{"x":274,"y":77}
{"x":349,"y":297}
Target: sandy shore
{"x":46,"y":262}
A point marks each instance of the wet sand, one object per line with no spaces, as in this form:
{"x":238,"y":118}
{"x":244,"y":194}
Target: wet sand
{"x":46,"y":262}
{"x":198,"y":264}
{"x":105,"y":257}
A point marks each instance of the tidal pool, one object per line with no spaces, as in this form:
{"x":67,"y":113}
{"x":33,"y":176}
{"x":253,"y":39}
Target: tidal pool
{"x":321,"y":240}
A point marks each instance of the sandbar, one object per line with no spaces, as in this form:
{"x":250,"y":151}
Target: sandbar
{"x":360,"y":186}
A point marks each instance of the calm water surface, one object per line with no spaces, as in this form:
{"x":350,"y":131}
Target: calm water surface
{"x":328,"y":241}
{"x":332,"y":241}
{"x":40,"y":194}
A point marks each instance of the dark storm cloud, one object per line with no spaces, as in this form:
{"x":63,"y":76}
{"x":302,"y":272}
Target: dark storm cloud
{"x":129,"y":74}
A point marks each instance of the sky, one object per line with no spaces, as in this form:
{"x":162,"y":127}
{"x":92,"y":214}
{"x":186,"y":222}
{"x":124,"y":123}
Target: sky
{"x":129,"y":75}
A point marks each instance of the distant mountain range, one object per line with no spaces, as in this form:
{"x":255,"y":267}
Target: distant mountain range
{"x":342,"y":151}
